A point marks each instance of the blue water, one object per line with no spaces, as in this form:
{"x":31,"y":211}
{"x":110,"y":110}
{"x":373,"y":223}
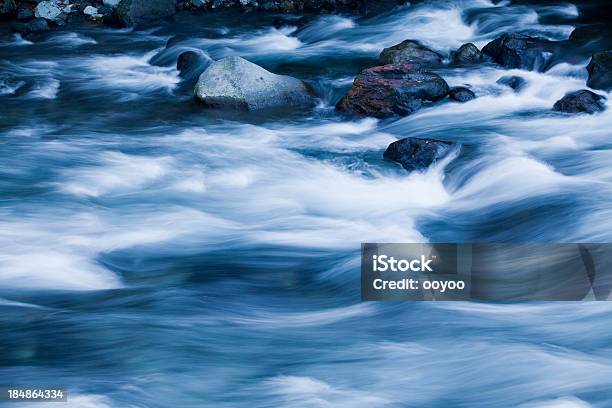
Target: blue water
{"x":158,"y":255}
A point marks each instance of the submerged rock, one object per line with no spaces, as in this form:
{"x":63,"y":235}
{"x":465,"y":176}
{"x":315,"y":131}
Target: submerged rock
{"x":190,"y":62}
{"x":600,"y":71}
{"x":409,"y":51}
{"x":467,"y":54}
{"x":136,"y":12}
{"x":583,"y":101}
{"x":236,"y":83}
{"x":390,"y":90}
{"x":461,"y":94}
{"x":38,"y":25}
{"x":520,"y":51}
{"x":515,"y":82}
{"x":417,"y":154}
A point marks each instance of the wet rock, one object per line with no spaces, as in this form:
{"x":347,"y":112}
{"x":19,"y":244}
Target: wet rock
{"x":136,"y":12}
{"x":461,"y":94}
{"x":515,"y":82}
{"x":467,"y":54}
{"x":583,"y":101}
{"x":49,"y":10}
{"x":24,"y":13}
{"x":190,"y":65}
{"x":521,"y":51}
{"x":390,"y":90}
{"x":235,"y":83}
{"x":90,"y":11}
{"x":409,"y":51}
{"x":417,"y":154}
{"x":600,"y":71}
{"x":7,"y":7}
{"x":291,"y":22}
{"x":111,"y":3}
{"x":38,"y":25}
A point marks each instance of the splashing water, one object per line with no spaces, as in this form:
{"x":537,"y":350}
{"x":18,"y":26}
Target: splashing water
{"x":157,"y":255}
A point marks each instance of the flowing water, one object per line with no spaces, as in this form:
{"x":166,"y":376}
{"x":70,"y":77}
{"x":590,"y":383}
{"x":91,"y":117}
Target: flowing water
{"x":155,"y":254}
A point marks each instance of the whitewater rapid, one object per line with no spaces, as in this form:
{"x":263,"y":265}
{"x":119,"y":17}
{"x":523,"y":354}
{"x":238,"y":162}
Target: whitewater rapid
{"x":153,"y":253}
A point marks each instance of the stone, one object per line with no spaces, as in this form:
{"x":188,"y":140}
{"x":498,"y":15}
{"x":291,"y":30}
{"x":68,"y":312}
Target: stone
{"x":235,"y":83}
{"x":467,"y":54}
{"x":600,"y":71}
{"x":521,"y":51}
{"x":38,"y":25}
{"x":390,"y":90}
{"x":137,"y":12}
{"x":25,"y":13}
{"x":48,"y":10}
{"x":461,"y":94}
{"x":417,"y":154}
{"x":90,"y":11}
{"x":515,"y":82}
{"x":583,"y":101}
{"x":409,"y":51}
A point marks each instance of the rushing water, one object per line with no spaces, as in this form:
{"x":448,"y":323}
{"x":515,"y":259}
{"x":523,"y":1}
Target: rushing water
{"x":158,"y":255}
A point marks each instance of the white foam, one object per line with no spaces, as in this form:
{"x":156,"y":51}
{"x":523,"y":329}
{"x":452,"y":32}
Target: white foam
{"x":297,"y":391}
{"x":45,"y":89}
{"x":117,"y":172}
{"x":70,"y":39}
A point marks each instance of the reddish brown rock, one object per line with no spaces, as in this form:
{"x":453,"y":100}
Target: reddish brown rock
{"x":390,"y":90}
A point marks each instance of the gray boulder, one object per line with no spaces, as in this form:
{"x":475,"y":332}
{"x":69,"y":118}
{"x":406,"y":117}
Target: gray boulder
{"x":409,"y":51}
{"x":236,"y":83}
{"x":600,"y":71}
{"x":467,"y":54}
{"x":136,"y":12}
{"x":49,"y":10}
{"x":461,"y":94}
{"x":583,"y":101}
{"x":417,"y":154}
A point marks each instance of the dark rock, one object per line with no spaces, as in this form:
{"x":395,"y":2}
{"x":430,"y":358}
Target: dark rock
{"x":417,"y":154}
{"x":390,"y":90}
{"x":600,"y":71}
{"x":515,"y":82}
{"x":461,"y":94}
{"x":467,"y":54}
{"x":583,"y":101}
{"x":294,"y":22}
{"x":409,"y":51}
{"x":136,"y":12}
{"x":521,"y":51}
{"x":192,"y":63}
{"x":7,"y":8}
{"x":25,"y":13}
{"x":35,"y":26}
{"x":235,"y":83}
